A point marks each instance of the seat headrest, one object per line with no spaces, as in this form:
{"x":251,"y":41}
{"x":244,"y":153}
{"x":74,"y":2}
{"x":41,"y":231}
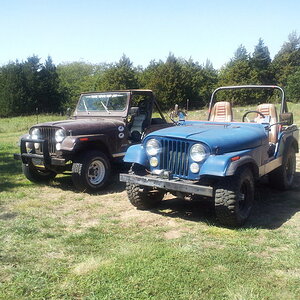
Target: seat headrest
{"x":221,"y":112}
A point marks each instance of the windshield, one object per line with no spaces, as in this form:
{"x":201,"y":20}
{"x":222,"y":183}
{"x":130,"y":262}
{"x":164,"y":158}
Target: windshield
{"x":109,"y":102}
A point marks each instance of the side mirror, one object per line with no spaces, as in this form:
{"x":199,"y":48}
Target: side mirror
{"x":286,"y":118}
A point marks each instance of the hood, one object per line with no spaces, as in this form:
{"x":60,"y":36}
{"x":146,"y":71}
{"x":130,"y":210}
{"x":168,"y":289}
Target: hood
{"x":84,"y":126}
{"x":219,"y":137}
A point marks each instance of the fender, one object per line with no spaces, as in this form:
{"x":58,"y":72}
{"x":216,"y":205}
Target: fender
{"x":247,"y":159}
{"x":286,"y":141}
{"x":285,"y":144}
{"x":136,"y":154}
{"x":223,"y":165}
{"x":75,"y":143}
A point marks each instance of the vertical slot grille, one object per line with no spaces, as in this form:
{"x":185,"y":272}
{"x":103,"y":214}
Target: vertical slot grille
{"x":48,"y":134}
{"x":175,"y":157}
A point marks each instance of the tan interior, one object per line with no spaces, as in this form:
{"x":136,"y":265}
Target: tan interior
{"x":221,"y":112}
{"x":268,"y":109}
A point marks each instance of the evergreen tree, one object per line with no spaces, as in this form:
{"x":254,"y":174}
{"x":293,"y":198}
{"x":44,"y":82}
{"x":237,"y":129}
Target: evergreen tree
{"x":240,"y":54}
{"x":260,"y":58}
{"x":13,"y":95}
{"x":287,"y":60}
{"x":50,"y":98}
{"x":261,"y":72}
{"x":77,"y":77}
{"x":31,"y":68}
{"x":293,"y":86}
{"x":119,"y":76}
{"x":238,"y":71}
{"x":176,"y":81}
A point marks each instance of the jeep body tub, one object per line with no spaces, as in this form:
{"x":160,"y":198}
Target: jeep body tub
{"x":103,"y":126}
{"x":215,"y":160}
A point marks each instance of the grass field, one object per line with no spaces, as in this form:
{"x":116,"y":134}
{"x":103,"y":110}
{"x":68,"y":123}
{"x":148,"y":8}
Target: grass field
{"x":56,"y":243}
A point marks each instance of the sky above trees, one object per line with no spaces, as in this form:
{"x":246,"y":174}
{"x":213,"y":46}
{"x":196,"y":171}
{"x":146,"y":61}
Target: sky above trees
{"x":98,"y":31}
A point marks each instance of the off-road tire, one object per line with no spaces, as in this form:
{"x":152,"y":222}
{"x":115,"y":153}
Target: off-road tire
{"x":234,"y":198}
{"x":91,"y":171}
{"x":37,"y":176}
{"x":282,"y":178}
{"x":142,"y":197}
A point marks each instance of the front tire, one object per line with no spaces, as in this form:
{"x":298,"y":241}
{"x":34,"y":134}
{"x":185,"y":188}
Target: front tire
{"x":282,"y":178}
{"x":37,"y":176}
{"x":91,"y":171}
{"x":142,"y":197}
{"x":234,"y":198}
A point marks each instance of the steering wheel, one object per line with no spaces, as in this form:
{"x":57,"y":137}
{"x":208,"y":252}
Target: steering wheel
{"x":250,"y":112}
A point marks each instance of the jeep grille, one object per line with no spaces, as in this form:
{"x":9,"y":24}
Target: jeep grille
{"x":48,"y":133}
{"x":175,"y":157}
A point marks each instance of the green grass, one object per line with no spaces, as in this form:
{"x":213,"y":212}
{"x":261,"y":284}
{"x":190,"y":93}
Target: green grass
{"x":22,"y":124}
{"x":56,"y":243}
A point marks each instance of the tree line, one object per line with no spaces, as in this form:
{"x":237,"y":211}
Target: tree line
{"x":30,"y":85}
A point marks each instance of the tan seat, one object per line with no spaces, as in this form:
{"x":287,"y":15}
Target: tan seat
{"x":221,"y":112}
{"x":268,"y":109}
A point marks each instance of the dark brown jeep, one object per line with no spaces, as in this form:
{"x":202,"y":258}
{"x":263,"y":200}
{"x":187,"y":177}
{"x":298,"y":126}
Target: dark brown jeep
{"x":103,"y":126}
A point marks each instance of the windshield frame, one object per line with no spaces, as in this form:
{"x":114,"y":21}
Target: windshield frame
{"x":106,"y":112}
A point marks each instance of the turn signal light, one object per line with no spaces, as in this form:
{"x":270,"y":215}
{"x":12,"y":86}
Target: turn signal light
{"x":235,"y":158}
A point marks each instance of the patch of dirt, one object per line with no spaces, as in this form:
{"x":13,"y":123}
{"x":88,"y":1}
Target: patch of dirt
{"x":173,"y":234}
{"x":289,"y":274}
{"x":90,"y":265}
{"x":270,"y":252}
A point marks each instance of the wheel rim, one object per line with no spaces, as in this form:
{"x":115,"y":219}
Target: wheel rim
{"x":96,"y":172}
{"x":290,"y":169}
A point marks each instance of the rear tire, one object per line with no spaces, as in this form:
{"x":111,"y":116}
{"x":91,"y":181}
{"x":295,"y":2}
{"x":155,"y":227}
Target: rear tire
{"x":282,"y":178}
{"x":234,"y":198}
{"x":91,"y":171}
{"x":37,"y":176}
{"x":142,"y":197}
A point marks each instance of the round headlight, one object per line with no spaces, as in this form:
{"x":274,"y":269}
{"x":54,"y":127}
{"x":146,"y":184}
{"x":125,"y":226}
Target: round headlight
{"x":152,"y":147}
{"x":35,"y":134}
{"x":194,"y":167}
{"x":60,"y":135}
{"x":153,"y":162}
{"x":198,"y":152}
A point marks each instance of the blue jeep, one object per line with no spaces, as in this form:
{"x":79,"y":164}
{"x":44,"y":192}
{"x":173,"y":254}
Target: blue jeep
{"x":218,"y":159}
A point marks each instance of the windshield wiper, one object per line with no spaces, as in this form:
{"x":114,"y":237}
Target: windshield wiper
{"x":85,"y":106}
{"x":105,"y":107}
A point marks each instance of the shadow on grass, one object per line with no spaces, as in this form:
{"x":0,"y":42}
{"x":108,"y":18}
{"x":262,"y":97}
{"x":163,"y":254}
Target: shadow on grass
{"x":272,"y":208}
{"x":9,"y":168}
{"x":65,"y":183}
{"x":196,"y":211}
{"x":8,"y":165}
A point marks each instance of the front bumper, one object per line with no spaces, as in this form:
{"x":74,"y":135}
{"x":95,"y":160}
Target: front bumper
{"x":183,"y":186}
{"x":44,"y":158}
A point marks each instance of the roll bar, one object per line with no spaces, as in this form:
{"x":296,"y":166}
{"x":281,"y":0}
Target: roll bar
{"x":283,"y":108}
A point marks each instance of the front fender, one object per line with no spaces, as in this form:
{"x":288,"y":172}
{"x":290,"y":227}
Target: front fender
{"x":226,"y":164}
{"x":76,"y":143}
{"x":136,"y":154}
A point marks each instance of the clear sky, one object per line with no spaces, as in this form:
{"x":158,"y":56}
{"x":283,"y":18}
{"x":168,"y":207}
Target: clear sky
{"x":99,"y":31}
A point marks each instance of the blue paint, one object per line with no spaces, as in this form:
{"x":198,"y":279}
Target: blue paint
{"x":136,"y":154}
{"x":220,"y":137}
